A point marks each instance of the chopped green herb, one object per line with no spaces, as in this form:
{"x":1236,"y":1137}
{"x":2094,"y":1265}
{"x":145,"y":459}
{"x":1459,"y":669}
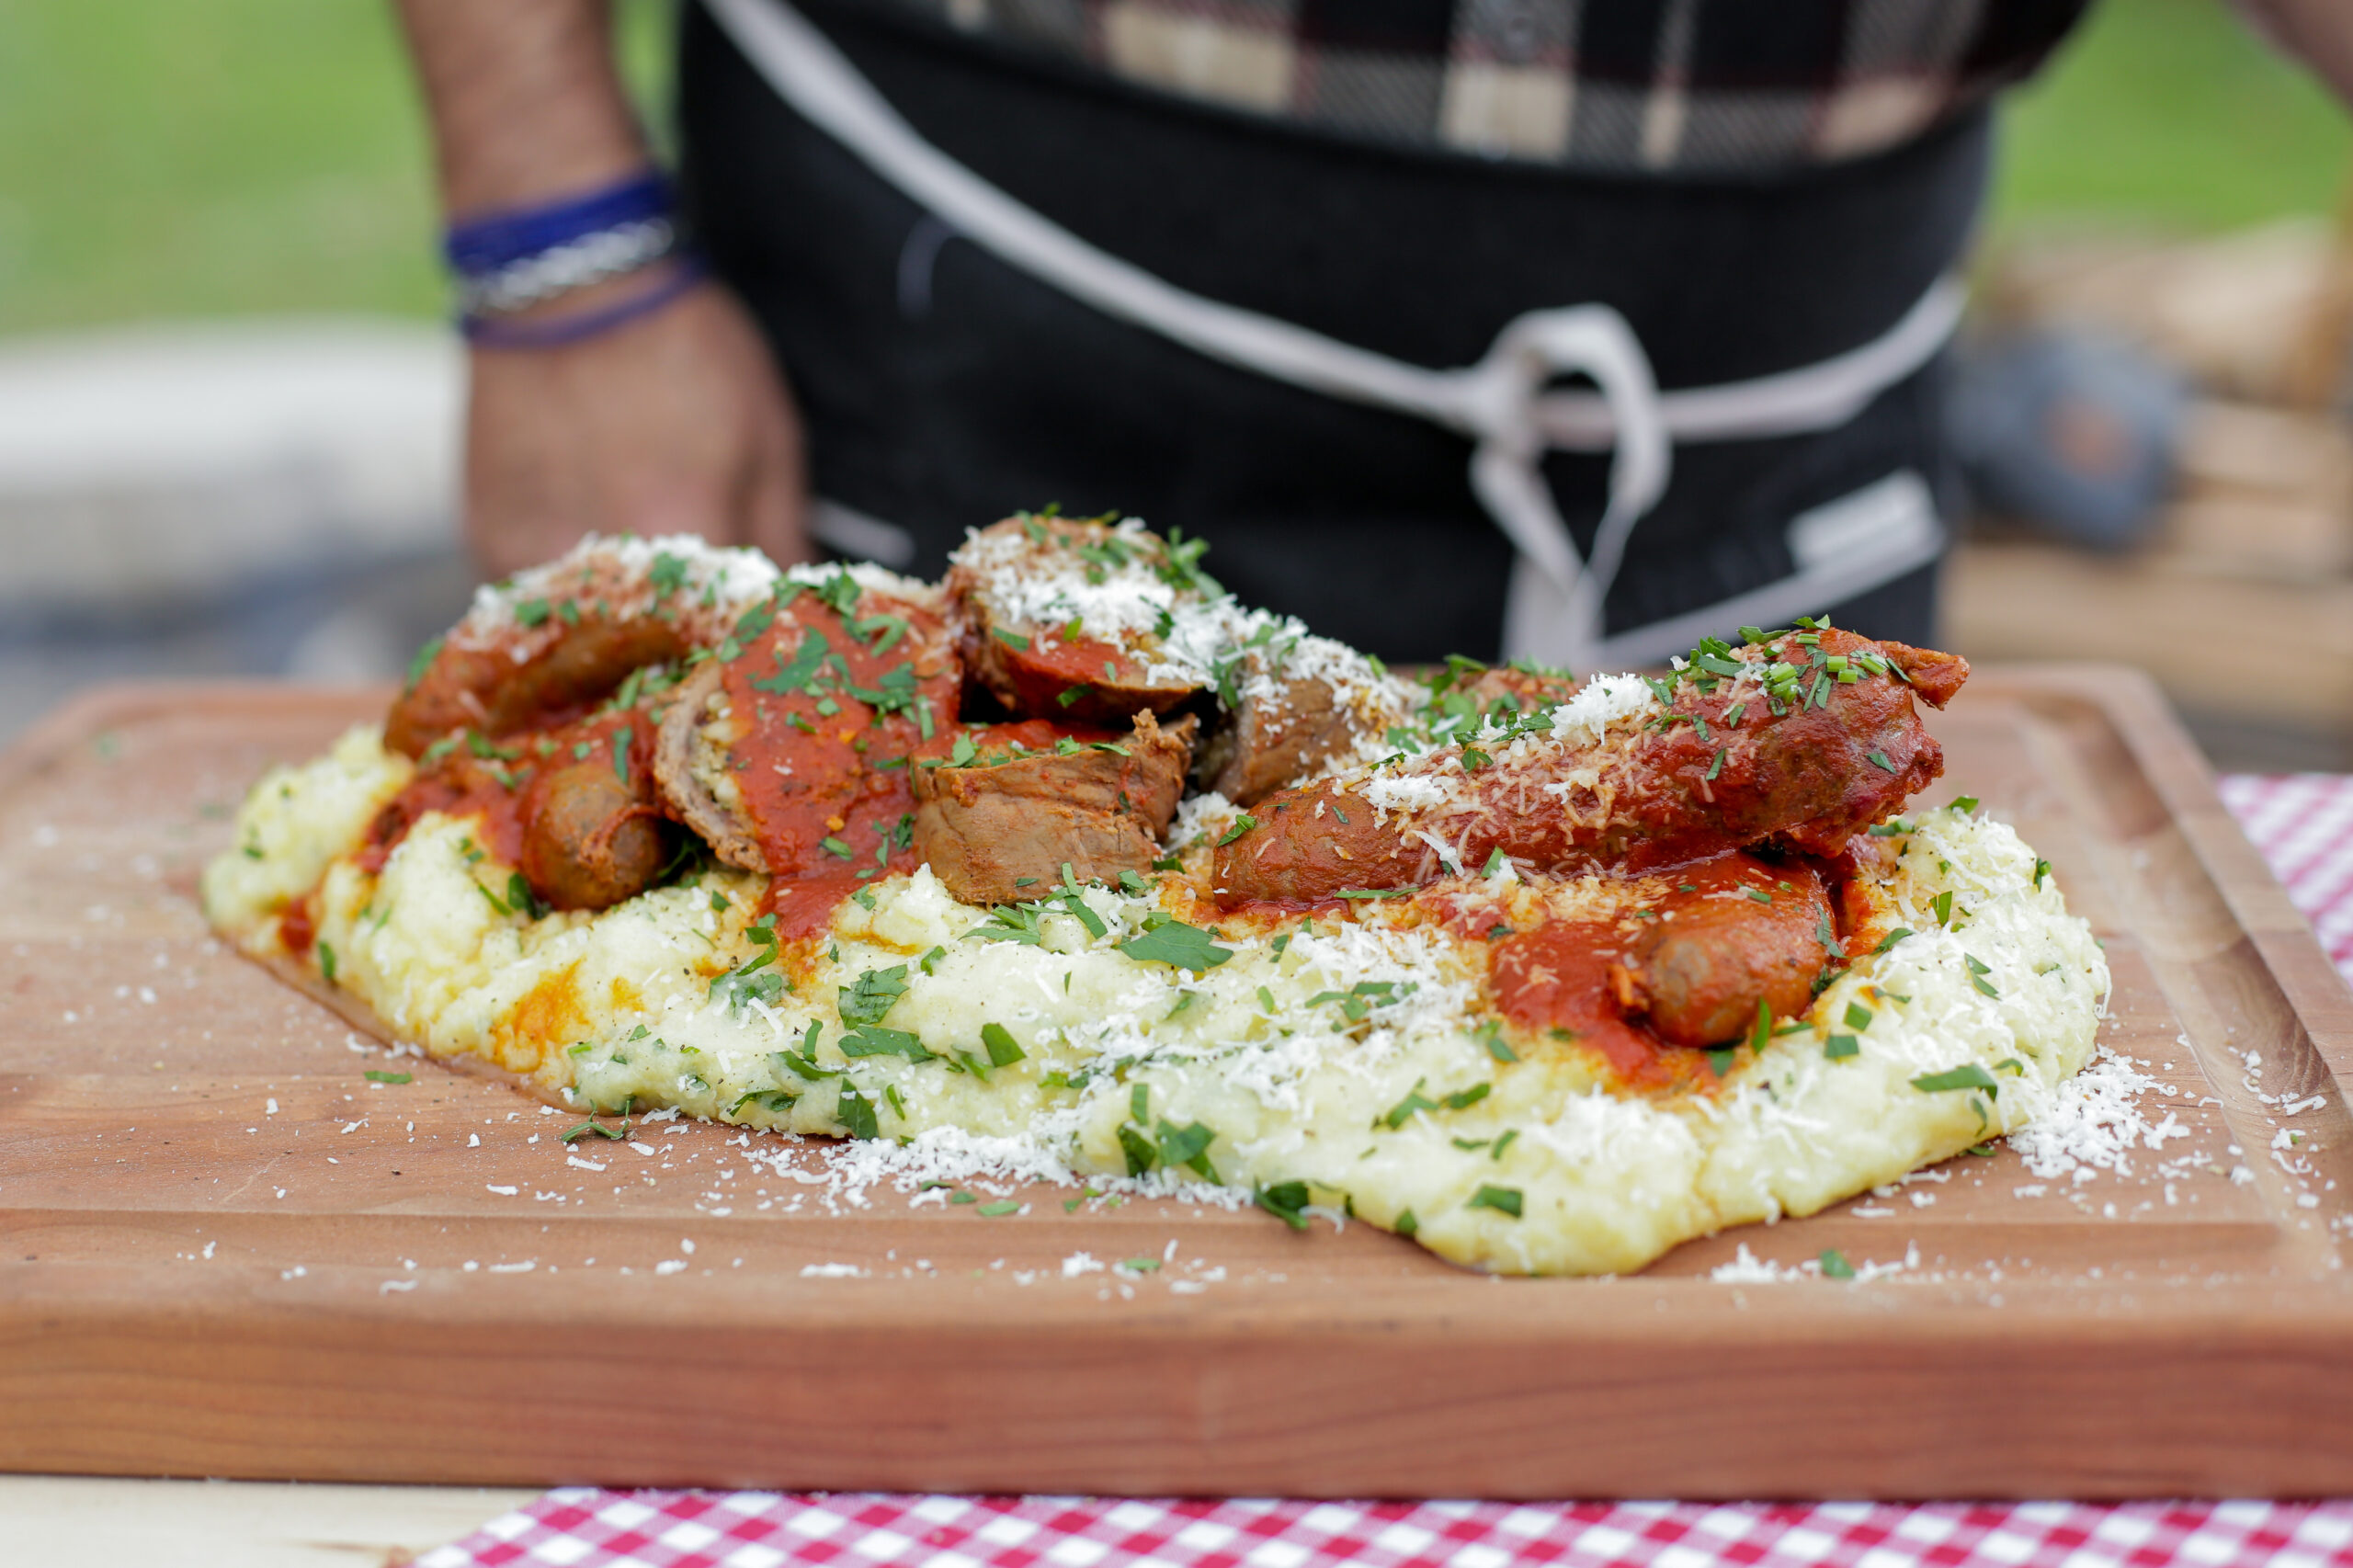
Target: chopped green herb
{"x":423,"y":662}
{"x":1965,"y":803}
{"x":856,"y":1112}
{"x":1841,"y":1046}
{"x":1010,"y":639}
{"x":1285,"y":1200}
{"x":873,"y":1039}
{"x":869,"y":999}
{"x":1889,"y":940}
{"x":1001,"y":1206}
{"x":1406,"y":1225}
{"x":1969,"y":1076}
{"x":1176,"y":943}
{"x":1002,"y":1050}
{"x":1187,"y":1146}
{"x":1242,"y":825}
{"x":375,"y":1076}
{"x":327,"y":964}
{"x":1501,"y":1200}
{"x":1835,"y":1265}
{"x":1404,"y":1111}
{"x":614,"y":1135}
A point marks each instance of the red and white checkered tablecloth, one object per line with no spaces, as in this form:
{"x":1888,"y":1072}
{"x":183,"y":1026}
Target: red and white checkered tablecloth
{"x":2302,"y":824}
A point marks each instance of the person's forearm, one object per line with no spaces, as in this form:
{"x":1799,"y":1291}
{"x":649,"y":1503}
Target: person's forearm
{"x":525,"y":101}
{"x":2318,"y":32}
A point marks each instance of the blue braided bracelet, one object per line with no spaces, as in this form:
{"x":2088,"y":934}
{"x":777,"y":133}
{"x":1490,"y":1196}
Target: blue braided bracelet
{"x":495,"y":241}
{"x":508,"y":261}
{"x":489,"y":332}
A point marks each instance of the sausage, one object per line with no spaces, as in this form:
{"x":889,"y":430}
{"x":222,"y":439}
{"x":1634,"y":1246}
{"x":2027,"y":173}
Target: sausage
{"x":1701,"y":969}
{"x":589,"y":840}
{"x":1000,"y":829}
{"x":1057,"y":670}
{"x":1694,"y":782}
{"x":483,"y":688}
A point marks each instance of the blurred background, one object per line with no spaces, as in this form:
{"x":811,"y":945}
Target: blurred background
{"x":229,"y":407}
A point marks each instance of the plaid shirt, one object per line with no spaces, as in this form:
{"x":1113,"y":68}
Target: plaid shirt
{"x":1695,"y":85}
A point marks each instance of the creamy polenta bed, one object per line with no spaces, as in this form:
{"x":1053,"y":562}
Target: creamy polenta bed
{"x":1074,"y":852}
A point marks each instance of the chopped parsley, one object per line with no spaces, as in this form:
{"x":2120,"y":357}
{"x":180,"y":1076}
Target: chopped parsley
{"x":869,"y":999}
{"x":1501,"y":1200}
{"x":1969,"y":1076}
{"x":1176,"y":943}
{"x":1286,"y":1200}
{"x":1003,"y":1049}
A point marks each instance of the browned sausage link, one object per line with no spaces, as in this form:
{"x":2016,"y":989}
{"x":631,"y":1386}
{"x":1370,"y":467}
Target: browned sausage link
{"x":1936,"y":677}
{"x":589,"y":840}
{"x":1809,"y":775}
{"x":1701,"y":969}
{"x":1004,"y":831}
{"x":483,"y":688}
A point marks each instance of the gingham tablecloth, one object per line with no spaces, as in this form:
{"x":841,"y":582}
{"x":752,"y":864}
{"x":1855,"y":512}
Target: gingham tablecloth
{"x":2303,"y":825}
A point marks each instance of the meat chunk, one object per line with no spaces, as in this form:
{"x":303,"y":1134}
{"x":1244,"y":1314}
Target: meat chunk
{"x":1748,"y":933}
{"x":1269,"y":741}
{"x":1727,"y":765}
{"x":1064,"y":620}
{"x":693,"y":768}
{"x":789,"y":753}
{"x":1031,"y":799}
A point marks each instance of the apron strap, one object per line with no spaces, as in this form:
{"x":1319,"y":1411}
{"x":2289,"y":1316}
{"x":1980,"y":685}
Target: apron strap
{"x":1555,"y":609}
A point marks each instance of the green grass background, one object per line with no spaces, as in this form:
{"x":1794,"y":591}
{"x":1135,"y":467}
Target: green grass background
{"x":172,"y":158}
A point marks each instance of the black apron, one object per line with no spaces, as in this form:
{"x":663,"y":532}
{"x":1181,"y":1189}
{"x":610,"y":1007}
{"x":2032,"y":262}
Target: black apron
{"x":943,"y":388}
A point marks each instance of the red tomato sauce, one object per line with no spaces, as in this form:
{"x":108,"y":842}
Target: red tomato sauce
{"x":833,"y":710}
{"x":295,"y":928}
{"x":1557,"y":978}
{"x":488,"y":781}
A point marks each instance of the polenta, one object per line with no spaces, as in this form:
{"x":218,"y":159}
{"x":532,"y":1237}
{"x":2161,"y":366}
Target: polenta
{"x":1548,"y":976}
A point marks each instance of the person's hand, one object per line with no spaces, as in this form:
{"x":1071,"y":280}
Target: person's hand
{"x":676,"y":422}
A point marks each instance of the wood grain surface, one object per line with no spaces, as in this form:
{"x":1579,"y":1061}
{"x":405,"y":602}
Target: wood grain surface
{"x":225,"y":1251}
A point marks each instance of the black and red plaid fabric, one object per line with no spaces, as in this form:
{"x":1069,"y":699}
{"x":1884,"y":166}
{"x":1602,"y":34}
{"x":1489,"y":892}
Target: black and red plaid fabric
{"x":1635,"y":85}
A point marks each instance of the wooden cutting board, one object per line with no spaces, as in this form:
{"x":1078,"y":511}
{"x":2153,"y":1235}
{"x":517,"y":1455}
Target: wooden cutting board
{"x":229,"y":1252}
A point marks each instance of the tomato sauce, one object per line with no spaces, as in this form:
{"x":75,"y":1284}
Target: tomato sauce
{"x":1557,"y":977}
{"x":834,"y":707}
{"x":1084,"y":677}
{"x":295,"y":928}
{"x":488,"y":781}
